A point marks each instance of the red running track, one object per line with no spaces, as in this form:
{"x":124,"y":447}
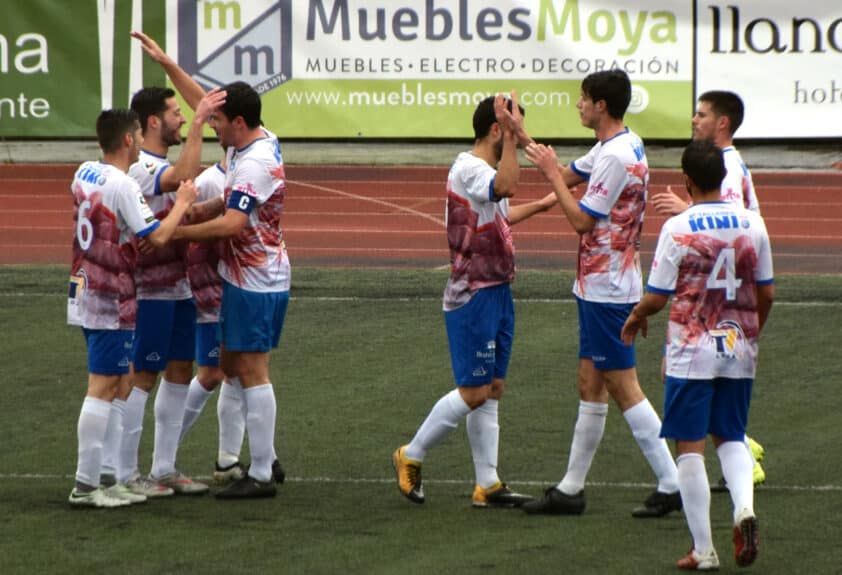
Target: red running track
{"x":376,"y":216}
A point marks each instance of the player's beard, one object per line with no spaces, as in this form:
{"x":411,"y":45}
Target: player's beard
{"x":498,"y":150}
{"x":171,"y":136}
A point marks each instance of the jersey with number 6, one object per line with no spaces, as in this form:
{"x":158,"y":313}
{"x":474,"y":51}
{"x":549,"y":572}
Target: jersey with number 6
{"x":712,"y":257}
{"x":109,"y":209}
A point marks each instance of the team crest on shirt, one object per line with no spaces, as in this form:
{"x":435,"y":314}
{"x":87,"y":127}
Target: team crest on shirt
{"x":150,"y":167}
{"x":728,"y":337}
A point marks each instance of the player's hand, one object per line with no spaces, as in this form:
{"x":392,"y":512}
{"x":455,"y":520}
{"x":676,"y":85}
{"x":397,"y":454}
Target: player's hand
{"x":208,"y":104}
{"x":187,"y":192}
{"x":150,"y":46}
{"x":544,"y":158}
{"x":548,"y":201}
{"x":668,"y":203}
{"x":634,"y":323}
{"x":145,"y":246}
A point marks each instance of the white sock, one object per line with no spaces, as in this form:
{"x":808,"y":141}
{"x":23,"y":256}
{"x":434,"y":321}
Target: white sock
{"x":442,"y":419}
{"x":646,"y":428}
{"x":484,"y":437}
{"x":169,"y":413}
{"x":91,"y":428}
{"x":132,"y":429}
{"x":260,"y":422}
{"x":695,"y":496}
{"x":735,"y":458}
{"x":232,"y":422}
{"x":197,"y":397}
{"x":113,"y":437}
{"x":750,"y":452}
{"x":587,"y":434}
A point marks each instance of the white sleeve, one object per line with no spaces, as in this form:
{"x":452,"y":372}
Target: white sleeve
{"x":133,"y":209}
{"x":148,"y":176}
{"x":252,"y":178}
{"x":583,"y":166}
{"x":478,"y":180}
{"x":764,"y":272}
{"x":664,"y":273}
{"x":607,"y":182}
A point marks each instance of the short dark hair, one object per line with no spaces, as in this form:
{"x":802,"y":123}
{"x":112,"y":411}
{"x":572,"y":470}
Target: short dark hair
{"x":150,"y":101}
{"x":112,"y":125}
{"x":613,"y":86}
{"x":725,"y":103}
{"x":484,"y":116}
{"x":242,"y":100}
{"x":703,"y":163}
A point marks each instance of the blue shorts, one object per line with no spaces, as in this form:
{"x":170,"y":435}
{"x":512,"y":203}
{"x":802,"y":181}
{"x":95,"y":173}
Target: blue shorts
{"x":694,"y":408}
{"x":600,"y":325}
{"x":207,"y":344}
{"x":166,"y":330}
{"x":251,"y":321}
{"x":109,"y":350}
{"x":480,"y":335}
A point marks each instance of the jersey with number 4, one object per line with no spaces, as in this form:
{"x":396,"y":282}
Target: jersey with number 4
{"x":256,"y":258}
{"x":109,"y":209}
{"x":711,"y":258}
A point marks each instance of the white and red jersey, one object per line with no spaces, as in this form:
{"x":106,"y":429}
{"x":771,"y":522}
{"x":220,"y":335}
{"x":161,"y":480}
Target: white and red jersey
{"x":608,"y":266}
{"x":482,"y":253}
{"x":109,"y":209}
{"x":711,"y":257}
{"x":256,"y":259}
{"x":203,"y":257}
{"x":737,"y":186}
{"x":162,"y":274}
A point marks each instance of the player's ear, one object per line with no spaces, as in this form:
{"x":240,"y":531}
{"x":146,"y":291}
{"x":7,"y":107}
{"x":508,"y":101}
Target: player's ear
{"x":688,"y":185}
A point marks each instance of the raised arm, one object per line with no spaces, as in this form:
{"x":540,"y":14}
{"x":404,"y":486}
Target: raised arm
{"x":188,"y":162}
{"x":189,"y":89}
{"x":508,"y":170}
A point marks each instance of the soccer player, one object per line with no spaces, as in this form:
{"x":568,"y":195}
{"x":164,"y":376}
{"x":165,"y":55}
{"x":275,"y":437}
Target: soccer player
{"x":165,"y":331}
{"x":255,"y":270}
{"x":715,"y":260}
{"x":609,"y":220}
{"x":478,"y":306}
{"x":206,"y":285}
{"x":718,"y":116}
{"x":109,"y":208}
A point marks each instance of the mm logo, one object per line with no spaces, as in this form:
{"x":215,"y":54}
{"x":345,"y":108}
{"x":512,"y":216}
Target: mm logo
{"x":258,"y":52}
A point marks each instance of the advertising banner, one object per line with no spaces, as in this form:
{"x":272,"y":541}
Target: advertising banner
{"x":783,"y":58}
{"x":351,"y":68}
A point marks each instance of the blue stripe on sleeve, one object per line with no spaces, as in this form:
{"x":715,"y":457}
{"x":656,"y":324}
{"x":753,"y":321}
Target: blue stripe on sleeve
{"x":149,"y":229}
{"x":659,"y":291}
{"x":580,"y":173}
{"x":591,"y":212}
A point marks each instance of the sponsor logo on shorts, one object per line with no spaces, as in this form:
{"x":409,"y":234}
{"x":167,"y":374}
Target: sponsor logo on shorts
{"x":214,"y":352}
{"x":489,"y":353}
{"x":153,"y":356}
{"x":479,"y":372}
